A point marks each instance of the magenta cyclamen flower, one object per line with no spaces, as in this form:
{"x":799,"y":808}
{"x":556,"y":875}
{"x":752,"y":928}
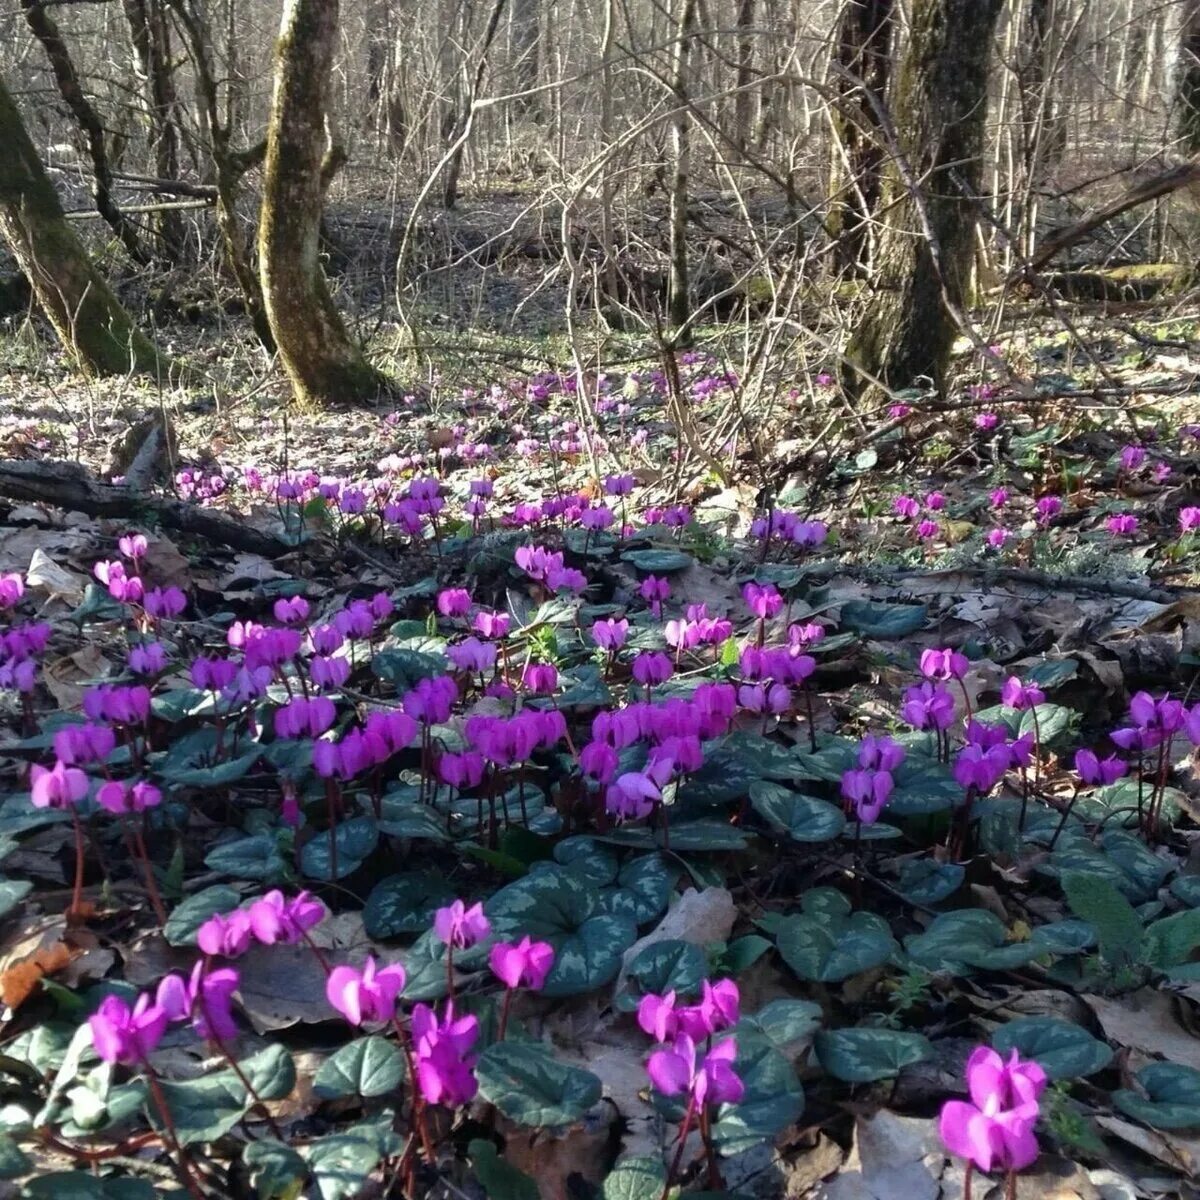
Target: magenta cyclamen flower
{"x":712,"y":1080}
{"x":1123,"y":525}
{"x":655,"y":591}
{"x":461,"y":770}
{"x":540,"y":678}
{"x":651,"y":668}
{"x":454,"y":602}
{"x":118,"y":798}
{"x":84,"y":743}
{"x":995,"y":1129}
{"x":445,"y":1065}
{"x":1018,"y":695}
{"x":935,"y":501}
{"x":927,"y":706}
{"x":12,"y":588}
{"x":610,"y":634}
{"x":166,"y":602}
{"x":472,"y":655}
{"x":1095,"y":770}
{"x":227,"y":934}
{"x":290,"y":610}
{"x":981,"y":767}
{"x":943,"y":664}
{"x":205,"y":998}
{"x":58,"y":786}
{"x":880,"y":753}
{"x":125,"y":1035}
{"x":868,"y":791}
{"x":905,"y":507}
{"x":1189,"y":519}
{"x":663,"y":1018}
{"x":458,"y":925}
{"x":366,"y":995}
{"x":763,"y":600}
{"x":522,"y":964}
{"x":274,"y":918}
{"x":632,"y":796}
{"x":1047,"y":508}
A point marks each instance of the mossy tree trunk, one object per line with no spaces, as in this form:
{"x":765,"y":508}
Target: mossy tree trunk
{"x":91,"y":322}
{"x":323,"y":364}
{"x":928,"y":199}
{"x":1188,"y":87}
{"x":862,"y":62}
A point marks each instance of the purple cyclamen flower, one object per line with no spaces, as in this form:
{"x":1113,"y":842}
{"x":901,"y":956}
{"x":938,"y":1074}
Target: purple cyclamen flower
{"x":763,"y":600}
{"x":1123,"y":525}
{"x":205,"y":998}
{"x":943,"y":664}
{"x":366,"y":995}
{"x":981,"y":767}
{"x":445,"y":1064}
{"x":118,"y":798}
{"x":995,"y":1129}
{"x":928,"y":530}
{"x":712,"y":1080}
{"x":986,"y":420}
{"x":227,"y":934}
{"x":1047,"y":508}
{"x":274,"y":918}
{"x":58,"y":786}
{"x":927,"y":706}
{"x":461,"y":770}
{"x":541,"y":679}
{"x":1095,"y":770}
{"x":458,"y":925}
{"x":454,"y":602}
{"x":1132,"y":457}
{"x":651,"y":668}
{"x":522,"y":964}
{"x":1021,"y":696}
{"x":655,"y":591}
{"x":78,"y":744}
{"x":868,"y":792}
{"x":905,"y":507}
{"x":631,"y":796}
{"x":12,"y":588}
{"x":610,"y":634}
{"x":880,"y":753}
{"x":125,"y":1035}
{"x":1189,"y":518}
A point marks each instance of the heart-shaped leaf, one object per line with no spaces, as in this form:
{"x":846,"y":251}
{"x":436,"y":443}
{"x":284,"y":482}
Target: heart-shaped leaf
{"x":500,"y":1179}
{"x":828,"y":949}
{"x":668,"y":965}
{"x":1172,"y":1099}
{"x":1062,"y":1049}
{"x":925,"y":881}
{"x":772,"y":1101}
{"x":190,"y":914}
{"x":354,"y":839}
{"x":405,"y":903}
{"x":368,"y":1066}
{"x":256,"y":857}
{"x":865,"y":1055}
{"x":801,"y":818}
{"x":635,"y":1179}
{"x":532,"y":1087}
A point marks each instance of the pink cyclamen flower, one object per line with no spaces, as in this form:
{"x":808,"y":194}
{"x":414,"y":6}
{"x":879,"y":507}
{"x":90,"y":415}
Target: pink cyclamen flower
{"x":928,"y":530}
{"x":445,"y":1065}
{"x":12,"y":588}
{"x":897,"y":412}
{"x":999,"y":498}
{"x":118,"y":798}
{"x":655,"y":591}
{"x":133,"y":545}
{"x":522,"y":964}
{"x":996,"y":538}
{"x":540,"y":678}
{"x":632,"y":796}
{"x":986,"y":420}
{"x":454,"y":602}
{"x":868,"y":792}
{"x":905,"y":507}
{"x":1189,"y":518}
{"x":935,"y":501}
{"x":1095,"y":770}
{"x":1123,"y":525}
{"x":994,"y":1130}
{"x":880,"y":753}
{"x":610,"y":634}
{"x":763,"y":600}
{"x":1047,"y":508}
{"x":458,"y":925}
{"x":943,"y":664}
{"x":1132,"y":457}
{"x":87,"y":743}
{"x":491,"y":624}
{"x":711,"y":1080}
{"x":125,"y":1035}
{"x":927,"y":706}
{"x":205,"y":998}
{"x":366,"y":995}
{"x":227,"y":934}
{"x":274,"y":918}
{"x":981,"y":768}
{"x":651,"y":668}
{"x":1018,"y":695}
{"x":58,"y":786}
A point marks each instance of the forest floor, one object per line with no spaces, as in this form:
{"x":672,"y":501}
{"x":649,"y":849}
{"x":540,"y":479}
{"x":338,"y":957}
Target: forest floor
{"x":1045,"y":537}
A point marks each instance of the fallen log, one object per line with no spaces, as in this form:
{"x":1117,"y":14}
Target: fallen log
{"x":69,"y":486}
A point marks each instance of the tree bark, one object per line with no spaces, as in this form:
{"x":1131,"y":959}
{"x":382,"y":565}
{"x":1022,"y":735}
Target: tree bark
{"x":151,"y":40}
{"x":862,"y":59}
{"x":1188,"y":86}
{"x":44,"y":28}
{"x":743,"y":104}
{"x":524,"y":36}
{"x":88,"y":318}
{"x":678,"y":297}
{"x":926,"y":244}
{"x":323,"y":364}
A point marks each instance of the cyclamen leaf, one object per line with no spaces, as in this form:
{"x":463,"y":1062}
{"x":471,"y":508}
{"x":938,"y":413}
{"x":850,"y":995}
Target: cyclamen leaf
{"x":500,"y":1179}
{"x":370,"y":1066}
{"x":1095,"y":900}
{"x":1062,"y":1049}
{"x":530,"y":1086}
{"x":865,"y":1055}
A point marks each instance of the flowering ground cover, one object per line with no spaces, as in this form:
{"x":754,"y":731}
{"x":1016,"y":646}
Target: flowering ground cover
{"x":556,"y":820}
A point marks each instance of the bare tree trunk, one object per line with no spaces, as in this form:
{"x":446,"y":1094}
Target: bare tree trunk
{"x":524,"y":36}
{"x":91,"y":322}
{"x":678,"y":298}
{"x":46,"y":31}
{"x":229,"y":165}
{"x":322,"y":362}
{"x":862,"y":64}
{"x":151,"y":40}
{"x":743,"y":105}
{"x":1188,"y":87}
{"x":927,"y":242}
{"x":461,"y":132}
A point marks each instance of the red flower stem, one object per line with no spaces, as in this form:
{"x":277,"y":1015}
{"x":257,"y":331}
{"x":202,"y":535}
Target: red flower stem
{"x":251,"y":1090}
{"x":417,"y":1118}
{"x":967,"y":1176}
{"x":1010,"y":1186}
{"x":450,"y":970}
{"x":76,"y":910}
{"x":715,"y":1182}
{"x":164,"y":1112}
{"x":504,"y":1010}
{"x":317,"y":951}
{"x":684,"y":1129}
{"x":151,"y":884}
